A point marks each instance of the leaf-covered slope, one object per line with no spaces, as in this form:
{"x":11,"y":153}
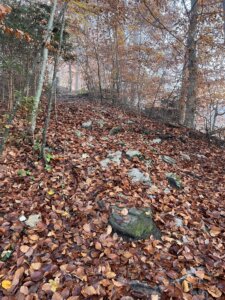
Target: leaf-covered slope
{"x":72,"y":253}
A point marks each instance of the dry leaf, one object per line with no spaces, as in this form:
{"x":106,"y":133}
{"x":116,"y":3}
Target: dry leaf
{"x":214,"y":231}
{"x":24,"y":248}
{"x":98,"y":246}
{"x":36,"y":266}
{"x":127,"y":254}
{"x":110,"y":275}
{"x":109,"y":230}
{"x":51,"y":192}
{"x":6,"y":284}
{"x":89,"y":291}
{"x":200,"y":274}
{"x":87,"y":228}
{"x":214,"y":291}
{"x":185,"y":286}
{"x":17,"y":276}
{"x":24,"y":290}
{"x":54,"y":284}
{"x":34,"y":237}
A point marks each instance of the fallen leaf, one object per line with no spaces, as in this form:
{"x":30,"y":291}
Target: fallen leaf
{"x":34,"y":237}
{"x":110,"y":275}
{"x":6,"y":284}
{"x":50,"y":192}
{"x":214,"y":291}
{"x":24,"y":248}
{"x":54,"y":284}
{"x":87,"y":228}
{"x":88,"y":291}
{"x":98,"y":246}
{"x":109,"y":230}
{"x":185,"y":286}
{"x":200,"y":274}
{"x":36,"y":266}
{"x":214,"y":231}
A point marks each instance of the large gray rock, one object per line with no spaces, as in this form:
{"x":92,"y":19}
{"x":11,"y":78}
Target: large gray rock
{"x":137,"y":176}
{"x":87,"y":125}
{"x":168,"y":159}
{"x":174,"y":180}
{"x":133,"y":223}
{"x":114,"y":157}
{"x":134,"y":153}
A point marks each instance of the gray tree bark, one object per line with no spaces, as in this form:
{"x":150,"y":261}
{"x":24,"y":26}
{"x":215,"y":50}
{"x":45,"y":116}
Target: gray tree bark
{"x":54,"y":83}
{"x":188,"y":97}
{"x":37,"y":97}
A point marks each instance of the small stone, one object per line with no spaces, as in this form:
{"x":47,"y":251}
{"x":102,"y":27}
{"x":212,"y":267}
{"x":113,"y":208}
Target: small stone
{"x":22,"y":218}
{"x":101,"y":123}
{"x":137,"y":176}
{"x":178,"y":222}
{"x":174,"y":180}
{"x":156,"y":141}
{"x":78,"y":133}
{"x":168,"y":159}
{"x":201,"y":156}
{"x":114,"y":157}
{"x":185,"y":156}
{"x":87,"y":125}
{"x":130,"y":122}
{"x":33,"y":220}
{"x":134,"y":153}
{"x":167,"y":191}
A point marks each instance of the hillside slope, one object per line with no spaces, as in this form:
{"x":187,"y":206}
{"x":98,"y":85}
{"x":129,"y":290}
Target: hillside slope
{"x":55,"y":239}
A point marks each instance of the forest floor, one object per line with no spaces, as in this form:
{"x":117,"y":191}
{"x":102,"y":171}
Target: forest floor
{"x":55,"y":241}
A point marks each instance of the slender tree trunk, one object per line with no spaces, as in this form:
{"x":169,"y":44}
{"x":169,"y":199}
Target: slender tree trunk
{"x":54,"y":83}
{"x":42,"y":71}
{"x":77,"y":79}
{"x":224,"y":19}
{"x":70,"y":77}
{"x":191,"y":102}
{"x":183,"y":94}
{"x":10,"y":90}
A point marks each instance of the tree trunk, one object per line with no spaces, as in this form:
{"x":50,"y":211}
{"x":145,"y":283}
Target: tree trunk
{"x":42,"y":71}
{"x":192,"y":67}
{"x":77,"y":79}
{"x":188,"y":95}
{"x":70,"y":77}
{"x":54,"y":83}
{"x":224,"y":19}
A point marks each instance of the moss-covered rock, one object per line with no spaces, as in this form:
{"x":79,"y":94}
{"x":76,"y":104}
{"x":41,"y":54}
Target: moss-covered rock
{"x":174,"y":180}
{"x":130,"y":154}
{"x":136,"y":224}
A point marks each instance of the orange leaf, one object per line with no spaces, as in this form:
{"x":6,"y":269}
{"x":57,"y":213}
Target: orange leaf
{"x":89,"y":291}
{"x":214,"y":291}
